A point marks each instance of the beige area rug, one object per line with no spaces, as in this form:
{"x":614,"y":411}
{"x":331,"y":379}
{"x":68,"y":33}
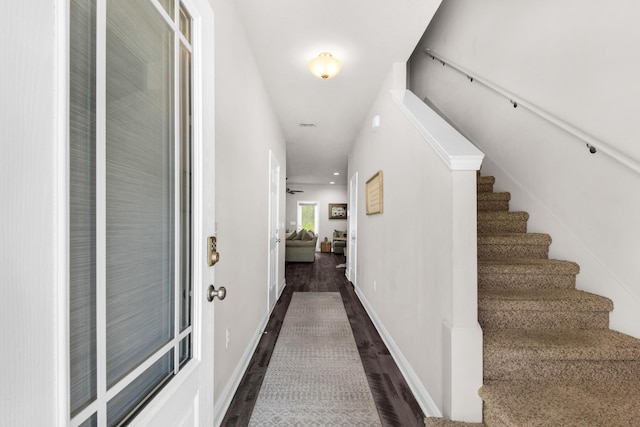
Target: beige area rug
{"x":315,"y":376}
{"x":341,"y":266}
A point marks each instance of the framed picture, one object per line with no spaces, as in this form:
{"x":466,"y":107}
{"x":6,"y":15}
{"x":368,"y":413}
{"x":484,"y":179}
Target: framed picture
{"x":337,"y":211}
{"x":375,"y":195}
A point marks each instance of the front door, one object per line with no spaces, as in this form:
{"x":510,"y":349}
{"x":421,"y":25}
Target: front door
{"x":140,"y":208}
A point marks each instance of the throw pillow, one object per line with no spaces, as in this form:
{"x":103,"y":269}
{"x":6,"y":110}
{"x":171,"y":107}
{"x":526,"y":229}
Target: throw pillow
{"x":292,"y":235}
{"x":298,"y":235}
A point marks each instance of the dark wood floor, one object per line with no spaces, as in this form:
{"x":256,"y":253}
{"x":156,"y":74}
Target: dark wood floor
{"x":394,"y":400}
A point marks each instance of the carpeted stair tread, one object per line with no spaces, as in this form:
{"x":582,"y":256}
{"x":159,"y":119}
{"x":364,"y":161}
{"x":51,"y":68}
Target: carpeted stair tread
{"x":513,"y":246}
{"x":492,"y":201}
{"x":542,"y":309}
{"x":571,"y":354}
{"x":514,"y":238}
{"x":494,"y":196}
{"x":502,"y":222}
{"x":551,"y":344}
{"x":503,"y":215}
{"x":567,"y":404}
{"x":527,"y":266}
{"x":542,"y":300}
{"x":527,"y":274}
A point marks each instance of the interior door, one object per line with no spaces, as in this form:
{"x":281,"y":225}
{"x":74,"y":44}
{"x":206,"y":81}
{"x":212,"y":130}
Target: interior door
{"x":352,"y":246}
{"x":274,"y":232}
{"x":141,"y":206}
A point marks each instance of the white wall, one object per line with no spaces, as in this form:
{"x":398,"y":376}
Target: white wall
{"x":30,"y":243}
{"x":578,"y":61}
{"x":323,"y":194}
{"x":242,"y":197}
{"x":407,"y":273}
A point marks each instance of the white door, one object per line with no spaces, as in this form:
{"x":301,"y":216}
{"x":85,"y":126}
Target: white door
{"x":274,"y":232}
{"x":141,"y":206}
{"x":352,"y":247}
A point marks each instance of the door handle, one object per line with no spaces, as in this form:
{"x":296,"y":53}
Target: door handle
{"x":221,"y":293}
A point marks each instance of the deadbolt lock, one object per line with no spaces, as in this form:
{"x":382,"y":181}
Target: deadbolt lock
{"x":212,"y":251}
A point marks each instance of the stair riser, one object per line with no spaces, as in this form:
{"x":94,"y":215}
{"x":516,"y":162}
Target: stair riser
{"x":488,"y":281}
{"x":485,"y":187}
{"x":493,"y":205}
{"x":514,"y":251}
{"x":560,"y":370}
{"x":502,"y":227}
{"x":518,"y":319}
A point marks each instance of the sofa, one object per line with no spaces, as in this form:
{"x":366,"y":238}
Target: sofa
{"x":339,"y":245}
{"x":300,"y":246}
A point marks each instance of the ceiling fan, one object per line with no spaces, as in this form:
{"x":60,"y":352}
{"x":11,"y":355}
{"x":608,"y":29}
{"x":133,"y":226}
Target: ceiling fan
{"x":290,"y":191}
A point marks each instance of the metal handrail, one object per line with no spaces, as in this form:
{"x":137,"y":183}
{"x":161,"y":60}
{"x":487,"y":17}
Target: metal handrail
{"x":593,"y":144}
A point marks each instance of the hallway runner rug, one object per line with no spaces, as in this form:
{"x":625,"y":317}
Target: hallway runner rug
{"x":315,"y":376}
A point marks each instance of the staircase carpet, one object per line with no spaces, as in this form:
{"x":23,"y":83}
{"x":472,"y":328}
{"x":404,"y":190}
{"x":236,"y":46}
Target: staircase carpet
{"x":550,"y":358}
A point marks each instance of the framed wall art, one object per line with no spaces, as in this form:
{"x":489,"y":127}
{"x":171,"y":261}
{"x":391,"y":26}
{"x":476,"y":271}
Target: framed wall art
{"x":374,"y":194}
{"x":337,"y":211}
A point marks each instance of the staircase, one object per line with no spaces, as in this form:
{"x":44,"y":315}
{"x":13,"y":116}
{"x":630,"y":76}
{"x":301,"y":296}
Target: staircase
{"x":550,"y":358}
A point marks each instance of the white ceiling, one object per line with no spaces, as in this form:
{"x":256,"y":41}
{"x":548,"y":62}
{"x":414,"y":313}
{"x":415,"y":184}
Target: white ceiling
{"x":368,"y":36}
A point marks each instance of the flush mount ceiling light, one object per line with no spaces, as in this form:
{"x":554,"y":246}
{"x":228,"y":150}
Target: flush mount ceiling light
{"x":324,"y":66}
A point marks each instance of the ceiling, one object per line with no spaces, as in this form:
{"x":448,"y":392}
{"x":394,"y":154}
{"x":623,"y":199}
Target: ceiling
{"x":368,"y":36}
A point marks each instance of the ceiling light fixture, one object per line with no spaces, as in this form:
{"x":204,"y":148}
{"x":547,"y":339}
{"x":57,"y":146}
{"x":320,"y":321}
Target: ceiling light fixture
{"x":324,"y":66}
{"x":336,"y":173}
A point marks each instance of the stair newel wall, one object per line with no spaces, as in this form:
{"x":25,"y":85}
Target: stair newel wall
{"x":461,"y":331}
{"x":416,"y":261}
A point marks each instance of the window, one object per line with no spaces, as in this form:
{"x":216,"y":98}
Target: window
{"x":308,"y":216}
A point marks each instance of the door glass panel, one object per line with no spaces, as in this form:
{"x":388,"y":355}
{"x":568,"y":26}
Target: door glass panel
{"x":185,"y":349}
{"x":168,"y":6}
{"x":91,"y":422}
{"x":82,"y":194}
{"x":133,"y":397}
{"x":185,"y":185}
{"x":140,"y":230}
{"x":185,"y":23}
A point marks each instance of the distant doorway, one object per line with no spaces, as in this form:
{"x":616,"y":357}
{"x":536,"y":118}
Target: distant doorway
{"x":352,"y":244}
{"x":274,"y":229}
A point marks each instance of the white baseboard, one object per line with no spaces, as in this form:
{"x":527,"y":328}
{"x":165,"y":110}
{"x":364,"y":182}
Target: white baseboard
{"x":222,"y":402}
{"x":421,"y":394}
